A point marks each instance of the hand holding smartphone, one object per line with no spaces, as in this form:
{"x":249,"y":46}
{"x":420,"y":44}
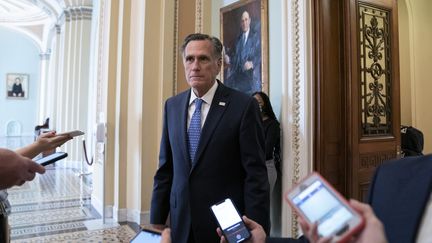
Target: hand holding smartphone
{"x":315,"y":200}
{"x":71,"y":133}
{"x":230,"y":221}
{"x":51,"y":158}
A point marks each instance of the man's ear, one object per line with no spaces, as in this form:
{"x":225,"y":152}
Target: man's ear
{"x":219,"y":62}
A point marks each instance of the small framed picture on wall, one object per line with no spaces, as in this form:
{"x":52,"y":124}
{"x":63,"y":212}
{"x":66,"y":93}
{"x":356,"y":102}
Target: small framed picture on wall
{"x":17,"y":85}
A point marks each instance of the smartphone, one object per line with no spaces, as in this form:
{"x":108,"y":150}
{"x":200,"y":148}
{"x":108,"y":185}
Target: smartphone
{"x":230,"y":221}
{"x":71,"y":133}
{"x":51,"y":158}
{"x":315,"y":200}
{"x":147,"y":236}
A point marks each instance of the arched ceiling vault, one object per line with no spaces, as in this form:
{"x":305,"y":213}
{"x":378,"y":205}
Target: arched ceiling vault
{"x":36,"y":18}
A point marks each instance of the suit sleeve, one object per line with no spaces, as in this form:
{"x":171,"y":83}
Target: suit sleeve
{"x":256,"y":187}
{"x":160,"y":204}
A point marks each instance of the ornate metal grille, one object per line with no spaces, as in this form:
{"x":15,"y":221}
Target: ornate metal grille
{"x":375,"y":70}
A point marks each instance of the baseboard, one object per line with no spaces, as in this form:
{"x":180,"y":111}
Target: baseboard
{"x":97,"y":204}
{"x":138,"y":217}
{"x":120,"y":215}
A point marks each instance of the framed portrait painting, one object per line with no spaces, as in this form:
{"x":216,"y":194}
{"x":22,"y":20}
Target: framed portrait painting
{"x":17,"y":85}
{"x":244,"y":34}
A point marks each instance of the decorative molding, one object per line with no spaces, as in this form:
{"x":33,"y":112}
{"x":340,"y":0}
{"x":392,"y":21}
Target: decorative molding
{"x":67,"y":15}
{"x":198,"y":16}
{"x":78,"y":13}
{"x":296,"y":106}
{"x":45,"y":55}
{"x":58,"y":29}
{"x":297,"y":101}
{"x":176,"y":48}
{"x":373,"y":160}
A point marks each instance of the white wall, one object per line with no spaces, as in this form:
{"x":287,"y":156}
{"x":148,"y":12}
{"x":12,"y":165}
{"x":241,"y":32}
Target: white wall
{"x":19,"y":55}
{"x":420,"y":61}
{"x":405,"y":64}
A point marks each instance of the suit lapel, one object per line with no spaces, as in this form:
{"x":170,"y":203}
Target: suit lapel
{"x":184,"y":106}
{"x":219,"y":104}
{"x":415,"y":190}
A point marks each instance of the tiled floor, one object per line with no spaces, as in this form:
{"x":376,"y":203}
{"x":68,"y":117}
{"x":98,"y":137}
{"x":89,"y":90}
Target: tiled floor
{"x":56,"y":207}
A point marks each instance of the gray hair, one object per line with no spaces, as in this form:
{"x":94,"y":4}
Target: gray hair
{"x":217,"y":45}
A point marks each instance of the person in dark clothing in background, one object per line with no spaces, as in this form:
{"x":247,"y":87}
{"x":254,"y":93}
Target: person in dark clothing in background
{"x":272,"y":135}
{"x":272,"y":157}
{"x":17,"y":89}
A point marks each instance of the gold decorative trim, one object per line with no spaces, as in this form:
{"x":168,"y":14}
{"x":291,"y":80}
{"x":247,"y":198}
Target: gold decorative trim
{"x":198,"y":16}
{"x":296,"y":106}
{"x":176,"y":48}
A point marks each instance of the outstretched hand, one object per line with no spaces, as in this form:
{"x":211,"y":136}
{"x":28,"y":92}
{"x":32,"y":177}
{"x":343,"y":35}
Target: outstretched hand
{"x":49,"y":140}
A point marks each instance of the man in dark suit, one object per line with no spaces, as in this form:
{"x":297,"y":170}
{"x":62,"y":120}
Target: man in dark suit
{"x":244,"y":62}
{"x":400,"y":195}
{"x":222,"y":157}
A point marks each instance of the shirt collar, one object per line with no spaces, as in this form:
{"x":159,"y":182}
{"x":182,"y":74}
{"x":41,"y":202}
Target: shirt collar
{"x":246,"y":33}
{"x":208,"y":97}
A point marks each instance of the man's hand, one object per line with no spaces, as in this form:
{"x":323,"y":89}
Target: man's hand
{"x":16,"y":169}
{"x":248,"y":65}
{"x":49,"y":140}
{"x":227,"y":59}
{"x":159,"y":227}
{"x":166,"y":236}
{"x":258,"y":234}
{"x":311,"y":232}
{"x":373,"y":230}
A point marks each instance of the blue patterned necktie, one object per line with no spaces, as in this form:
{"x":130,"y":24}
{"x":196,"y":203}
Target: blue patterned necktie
{"x":194,"y":131}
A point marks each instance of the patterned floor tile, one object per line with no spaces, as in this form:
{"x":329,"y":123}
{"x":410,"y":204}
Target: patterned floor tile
{"x":56,"y":206}
{"x":119,"y":234}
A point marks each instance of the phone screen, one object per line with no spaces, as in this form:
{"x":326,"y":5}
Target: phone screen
{"x":320,"y":205}
{"x":230,"y":221}
{"x":146,"y":236}
{"x":51,"y":158}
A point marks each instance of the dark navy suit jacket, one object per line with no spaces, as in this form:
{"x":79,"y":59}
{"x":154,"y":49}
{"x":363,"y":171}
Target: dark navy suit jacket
{"x":229,"y":164}
{"x":247,"y":81}
{"x":399,"y":194}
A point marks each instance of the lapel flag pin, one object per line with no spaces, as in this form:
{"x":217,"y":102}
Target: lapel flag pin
{"x":222,"y":103}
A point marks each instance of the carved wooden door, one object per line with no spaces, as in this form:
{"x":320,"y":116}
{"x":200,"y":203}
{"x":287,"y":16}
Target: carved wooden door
{"x":374,"y":127}
{"x":357,"y":90}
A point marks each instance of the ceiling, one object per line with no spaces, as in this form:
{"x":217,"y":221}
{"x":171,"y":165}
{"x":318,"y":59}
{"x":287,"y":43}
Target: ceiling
{"x":37,"y":18}
{"x":19,"y":11}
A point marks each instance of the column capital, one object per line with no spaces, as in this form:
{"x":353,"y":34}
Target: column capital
{"x":45,"y":55}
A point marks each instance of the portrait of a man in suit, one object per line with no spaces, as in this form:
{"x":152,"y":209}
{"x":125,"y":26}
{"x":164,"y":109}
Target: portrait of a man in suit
{"x":241,"y":36}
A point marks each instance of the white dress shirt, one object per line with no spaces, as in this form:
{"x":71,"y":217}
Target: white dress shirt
{"x":425,"y":232}
{"x":205,"y":107}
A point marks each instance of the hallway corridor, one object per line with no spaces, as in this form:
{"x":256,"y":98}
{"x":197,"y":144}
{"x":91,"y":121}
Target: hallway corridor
{"x":56,"y":206}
